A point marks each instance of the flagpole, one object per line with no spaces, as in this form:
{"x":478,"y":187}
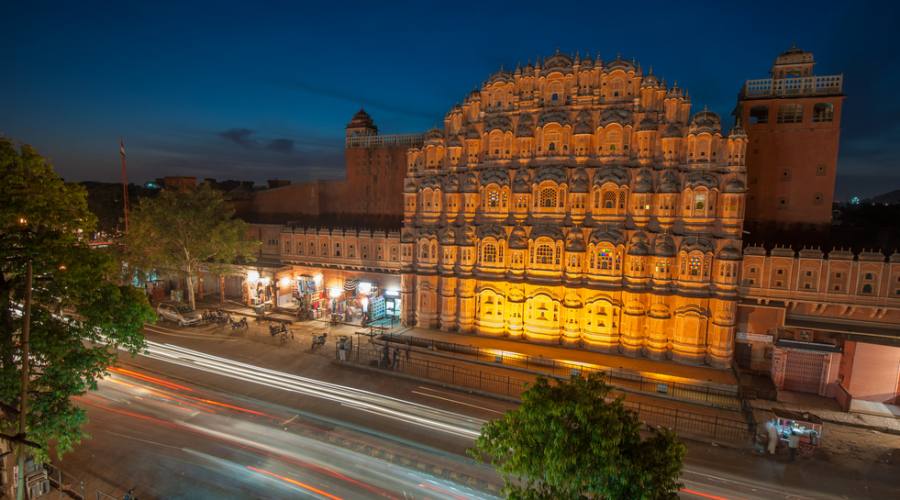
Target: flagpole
{"x":124,"y":182}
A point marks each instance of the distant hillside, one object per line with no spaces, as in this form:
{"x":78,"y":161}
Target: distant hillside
{"x":890,"y":198}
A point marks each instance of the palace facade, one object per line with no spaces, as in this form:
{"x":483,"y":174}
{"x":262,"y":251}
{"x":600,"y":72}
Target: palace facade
{"x":578,"y":202}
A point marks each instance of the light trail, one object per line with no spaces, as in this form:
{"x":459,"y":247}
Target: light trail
{"x":384,"y":406}
{"x":294,"y":482}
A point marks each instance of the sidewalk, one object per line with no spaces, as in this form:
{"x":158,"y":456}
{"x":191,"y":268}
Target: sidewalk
{"x":663,"y":370}
{"x":827,"y":410}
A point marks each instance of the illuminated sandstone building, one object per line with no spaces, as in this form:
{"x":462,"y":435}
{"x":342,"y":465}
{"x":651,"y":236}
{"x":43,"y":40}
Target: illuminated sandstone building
{"x":793,"y":120}
{"x":578,"y":202}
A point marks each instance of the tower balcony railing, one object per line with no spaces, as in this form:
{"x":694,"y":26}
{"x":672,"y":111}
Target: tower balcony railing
{"x":789,"y":87}
{"x":367,"y":141}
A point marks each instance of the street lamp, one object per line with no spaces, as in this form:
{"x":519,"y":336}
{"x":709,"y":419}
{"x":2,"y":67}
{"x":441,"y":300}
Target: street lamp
{"x":335,"y":292}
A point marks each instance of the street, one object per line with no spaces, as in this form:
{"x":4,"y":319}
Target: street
{"x":199,"y":416}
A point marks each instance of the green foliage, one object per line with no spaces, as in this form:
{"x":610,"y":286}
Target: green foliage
{"x":180,"y":230}
{"x":567,"y":441}
{"x":42,"y":219}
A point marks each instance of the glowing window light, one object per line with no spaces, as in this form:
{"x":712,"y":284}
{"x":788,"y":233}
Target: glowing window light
{"x":252,"y":275}
{"x":284,"y":281}
{"x":335,"y":292}
{"x":364,"y":288}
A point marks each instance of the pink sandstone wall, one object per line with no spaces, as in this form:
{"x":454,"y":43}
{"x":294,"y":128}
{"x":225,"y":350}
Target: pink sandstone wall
{"x":874,"y":374}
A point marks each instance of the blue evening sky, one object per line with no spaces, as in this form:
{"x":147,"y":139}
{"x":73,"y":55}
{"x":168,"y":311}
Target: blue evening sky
{"x":259,"y":90}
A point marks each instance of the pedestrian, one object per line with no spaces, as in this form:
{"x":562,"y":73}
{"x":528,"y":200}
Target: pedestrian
{"x":342,"y":350}
{"x":772,"y":433}
{"x":793,"y":444}
{"x":396,"y":363}
{"x":385,"y":357}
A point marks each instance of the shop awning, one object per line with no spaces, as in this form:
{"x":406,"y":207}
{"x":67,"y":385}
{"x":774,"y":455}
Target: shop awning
{"x":350,"y":285}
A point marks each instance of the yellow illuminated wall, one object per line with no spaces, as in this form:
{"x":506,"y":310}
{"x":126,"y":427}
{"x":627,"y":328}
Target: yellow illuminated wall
{"x":578,"y":202}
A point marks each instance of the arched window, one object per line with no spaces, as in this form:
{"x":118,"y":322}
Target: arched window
{"x":433,"y":250}
{"x":324,"y":250}
{"x":493,"y":199}
{"x":489,"y":253}
{"x":312,"y":249}
{"x":605,"y":259}
{"x":695,"y":265}
{"x":609,"y":200}
{"x":543,"y":254}
{"x":613,"y":139}
{"x":617,"y":87}
{"x":823,"y":112}
{"x":424,"y":253}
{"x":759,"y":114}
{"x":867,"y":289}
{"x":622,"y":200}
{"x":700,"y":201}
{"x":547,"y":197}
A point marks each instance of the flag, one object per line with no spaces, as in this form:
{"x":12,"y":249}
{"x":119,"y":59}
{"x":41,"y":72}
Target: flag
{"x":122,"y":148}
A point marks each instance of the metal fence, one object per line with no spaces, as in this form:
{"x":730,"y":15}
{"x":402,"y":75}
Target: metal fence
{"x":685,"y":423}
{"x":625,"y":379}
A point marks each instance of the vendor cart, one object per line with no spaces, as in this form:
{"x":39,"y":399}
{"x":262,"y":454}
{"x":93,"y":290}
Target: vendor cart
{"x":806,"y":426}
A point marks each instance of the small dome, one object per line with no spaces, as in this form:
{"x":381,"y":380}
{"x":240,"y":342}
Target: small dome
{"x":647,"y":124}
{"x":643,"y":182}
{"x":650,"y":81}
{"x":362,"y":120}
{"x":448,"y":236}
{"x":522,"y":182}
{"x":614,"y":174}
{"x":668,"y":182}
{"x":472,"y":133}
{"x":735,"y":186}
{"x":579,"y":183}
{"x":518,"y":239}
{"x":409,"y":185}
{"x":469,"y":183}
{"x":606,"y":234}
{"x":454,"y":142}
{"x":729,"y":253}
{"x":705,"y":121}
{"x":575,"y":242}
{"x":547,"y":230}
{"x":525,"y":127}
{"x":672,"y":130}
{"x":434,"y":135}
{"x":451,"y":184}
{"x":664,"y":246}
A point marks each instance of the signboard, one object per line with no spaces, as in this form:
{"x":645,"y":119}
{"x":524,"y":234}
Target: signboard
{"x":376,"y":308}
{"x":753,"y":337}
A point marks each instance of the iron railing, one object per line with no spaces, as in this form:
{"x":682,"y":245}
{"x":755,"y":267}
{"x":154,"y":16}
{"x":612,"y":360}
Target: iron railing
{"x":617,"y":377}
{"x":685,"y":423}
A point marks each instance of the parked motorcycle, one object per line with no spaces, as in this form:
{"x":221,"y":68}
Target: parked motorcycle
{"x":318,"y":340}
{"x":277,"y":328}
{"x":238,"y":325}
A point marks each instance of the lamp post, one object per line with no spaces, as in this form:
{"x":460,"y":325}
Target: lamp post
{"x":26,"y":351}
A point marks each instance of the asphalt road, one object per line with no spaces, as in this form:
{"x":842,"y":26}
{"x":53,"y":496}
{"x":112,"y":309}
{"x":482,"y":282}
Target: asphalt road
{"x":200,"y":415}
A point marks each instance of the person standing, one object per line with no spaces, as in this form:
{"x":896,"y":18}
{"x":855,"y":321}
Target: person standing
{"x":793,"y":444}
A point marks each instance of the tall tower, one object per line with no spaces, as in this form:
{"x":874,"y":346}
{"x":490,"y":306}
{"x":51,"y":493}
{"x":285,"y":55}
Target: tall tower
{"x":793,"y":121}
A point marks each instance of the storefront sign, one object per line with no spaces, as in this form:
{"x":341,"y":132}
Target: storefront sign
{"x":753,"y":337}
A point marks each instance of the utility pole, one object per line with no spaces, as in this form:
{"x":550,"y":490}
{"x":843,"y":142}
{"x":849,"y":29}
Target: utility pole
{"x":23,"y":405}
{"x":124,"y":181}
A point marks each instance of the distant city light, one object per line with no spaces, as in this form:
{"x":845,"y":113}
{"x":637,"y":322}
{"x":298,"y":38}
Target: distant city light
{"x":854,"y":200}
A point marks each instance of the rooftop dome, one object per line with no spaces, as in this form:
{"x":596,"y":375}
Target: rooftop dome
{"x":362,"y":120}
{"x":705,"y":121}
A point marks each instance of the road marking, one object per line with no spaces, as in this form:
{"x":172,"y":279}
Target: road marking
{"x":143,"y":440}
{"x":451,"y":393}
{"x":289,"y":420}
{"x":457,"y":402}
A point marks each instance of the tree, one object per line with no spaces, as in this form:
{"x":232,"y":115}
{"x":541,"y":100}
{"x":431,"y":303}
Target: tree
{"x":43,"y":220}
{"x":567,"y":440}
{"x":180,"y":230}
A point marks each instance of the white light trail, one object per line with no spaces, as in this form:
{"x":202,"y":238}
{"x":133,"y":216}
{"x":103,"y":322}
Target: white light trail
{"x":351,"y":397}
